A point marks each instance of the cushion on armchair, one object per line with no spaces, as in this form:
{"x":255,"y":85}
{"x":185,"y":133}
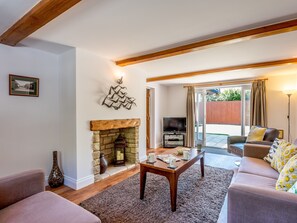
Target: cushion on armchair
{"x":256,"y":134}
{"x":271,"y":134}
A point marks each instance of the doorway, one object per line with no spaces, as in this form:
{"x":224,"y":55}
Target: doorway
{"x":148,"y":118}
{"x":221,"y":112}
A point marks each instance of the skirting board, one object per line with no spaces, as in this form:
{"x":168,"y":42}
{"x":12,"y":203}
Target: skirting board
{"x":75,"y":184}
{"x":80,"y":183}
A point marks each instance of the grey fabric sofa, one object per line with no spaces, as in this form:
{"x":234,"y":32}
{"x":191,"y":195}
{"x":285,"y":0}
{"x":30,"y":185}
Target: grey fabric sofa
{"x":235,"y":144}
{"x":252,"y":196}
{"x":23,"y":199}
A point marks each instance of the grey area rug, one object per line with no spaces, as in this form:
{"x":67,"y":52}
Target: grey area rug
{"x":199,"y":199}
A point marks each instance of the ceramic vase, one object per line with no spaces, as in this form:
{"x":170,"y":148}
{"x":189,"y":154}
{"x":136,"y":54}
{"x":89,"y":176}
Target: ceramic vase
{"x":56,"y":177}
{"x":103,"y":163}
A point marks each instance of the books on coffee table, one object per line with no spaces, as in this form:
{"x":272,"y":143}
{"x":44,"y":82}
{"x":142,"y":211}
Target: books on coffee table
{"x":165,"y":157}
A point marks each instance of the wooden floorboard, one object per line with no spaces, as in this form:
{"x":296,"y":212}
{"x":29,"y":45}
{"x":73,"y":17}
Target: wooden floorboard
{"x":77,"y":196}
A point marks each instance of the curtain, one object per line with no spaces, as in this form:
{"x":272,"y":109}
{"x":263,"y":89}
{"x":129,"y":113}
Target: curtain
{"x":190,"y":137}
{"x":258,"y":112}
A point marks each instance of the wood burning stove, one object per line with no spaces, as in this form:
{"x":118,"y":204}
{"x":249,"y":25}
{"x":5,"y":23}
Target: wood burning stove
{"x":119,"y":150}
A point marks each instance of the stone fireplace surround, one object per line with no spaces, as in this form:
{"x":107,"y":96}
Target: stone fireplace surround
{"x":104,"y":134}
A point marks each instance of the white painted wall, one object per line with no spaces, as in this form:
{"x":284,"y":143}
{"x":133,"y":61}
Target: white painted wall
{"x":160,"y":107}
{"x":94,"y":76}
{"x":277,"y":103}
{"x":29,"y":129}
{"x":177,"y":98}
{"x":67,"y":118}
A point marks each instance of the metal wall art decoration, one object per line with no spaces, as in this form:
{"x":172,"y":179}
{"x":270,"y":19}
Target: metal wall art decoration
{"x":117,"y":97}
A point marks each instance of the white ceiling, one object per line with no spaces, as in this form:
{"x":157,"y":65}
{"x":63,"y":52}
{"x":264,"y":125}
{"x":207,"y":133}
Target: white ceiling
{"x":117,"y":29}
{"x":12,"y":10}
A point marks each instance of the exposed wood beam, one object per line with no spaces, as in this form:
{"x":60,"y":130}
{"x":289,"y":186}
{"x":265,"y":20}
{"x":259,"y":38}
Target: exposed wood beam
{"x":255,"y":33}
{"x":38,"y":16}
{"x":223,"y":69}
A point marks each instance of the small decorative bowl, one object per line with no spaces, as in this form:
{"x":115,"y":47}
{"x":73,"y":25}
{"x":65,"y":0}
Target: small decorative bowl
{"x":180,"y":152}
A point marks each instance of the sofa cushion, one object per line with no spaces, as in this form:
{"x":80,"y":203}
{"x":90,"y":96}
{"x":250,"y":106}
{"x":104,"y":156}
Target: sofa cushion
{"x":293,"y":189}
{"x":258,"y":167}
{"x":255,"y":181}
{"x":283,"y":153}
{"x":46,"y":207}
{"x":271,"y":134}
{"x":238,"y":146}
{"x":288,"y":175}
{"x":260,"y":142}
{"x":256,"y":134}
{"x":272,"y":150}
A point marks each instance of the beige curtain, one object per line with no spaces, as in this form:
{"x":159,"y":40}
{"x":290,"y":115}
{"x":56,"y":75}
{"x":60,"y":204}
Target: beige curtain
{"x":258,"y":104}
{"x":190,"y":139}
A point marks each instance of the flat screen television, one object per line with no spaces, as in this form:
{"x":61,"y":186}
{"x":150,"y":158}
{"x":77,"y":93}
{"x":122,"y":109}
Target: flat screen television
{"x":174,"y":124}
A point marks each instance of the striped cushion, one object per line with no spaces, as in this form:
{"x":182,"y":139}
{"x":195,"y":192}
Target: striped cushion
{"x":272,"y":150}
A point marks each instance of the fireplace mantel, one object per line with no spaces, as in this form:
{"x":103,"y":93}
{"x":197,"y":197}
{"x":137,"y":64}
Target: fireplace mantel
{"x":99,"y":125}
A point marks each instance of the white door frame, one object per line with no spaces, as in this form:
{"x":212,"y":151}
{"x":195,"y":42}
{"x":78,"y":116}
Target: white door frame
{"x":203,"y":95}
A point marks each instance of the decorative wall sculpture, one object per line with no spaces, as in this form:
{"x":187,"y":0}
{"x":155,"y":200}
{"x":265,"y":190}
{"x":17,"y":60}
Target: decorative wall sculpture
{"x":117,"y":97}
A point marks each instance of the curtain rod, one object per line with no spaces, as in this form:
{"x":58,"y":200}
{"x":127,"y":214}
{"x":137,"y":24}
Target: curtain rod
{"x":224,"y":83}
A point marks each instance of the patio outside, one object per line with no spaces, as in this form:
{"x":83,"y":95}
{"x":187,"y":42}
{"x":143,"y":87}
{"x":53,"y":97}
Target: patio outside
{"x":216,"y":134}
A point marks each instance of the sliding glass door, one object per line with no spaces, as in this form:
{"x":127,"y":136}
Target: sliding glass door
{"x":221,"y":112}
{"x":245,"y":109}
{"x":200,"y":128}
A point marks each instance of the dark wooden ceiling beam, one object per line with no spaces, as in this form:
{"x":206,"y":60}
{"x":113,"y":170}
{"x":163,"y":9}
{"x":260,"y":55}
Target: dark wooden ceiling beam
{"x":42,"y":13}
{"x":223,"y":69}
{"x":256,"y":33}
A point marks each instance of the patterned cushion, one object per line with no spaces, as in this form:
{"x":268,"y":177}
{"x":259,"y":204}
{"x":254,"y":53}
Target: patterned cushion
{"x":256,"y":134}
{"x":288,"y":175}
{"x":272,"y":150}
{"x":293,"y":189}
{"x":282,"y":155}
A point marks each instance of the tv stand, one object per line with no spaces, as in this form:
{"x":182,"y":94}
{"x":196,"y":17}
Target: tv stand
{"x":172,"y":140}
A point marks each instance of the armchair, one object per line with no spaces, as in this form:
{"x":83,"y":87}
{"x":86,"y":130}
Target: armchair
{"x":236,"y":143}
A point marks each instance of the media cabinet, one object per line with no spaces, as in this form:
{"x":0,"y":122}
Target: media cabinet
{"x":172,"y":140}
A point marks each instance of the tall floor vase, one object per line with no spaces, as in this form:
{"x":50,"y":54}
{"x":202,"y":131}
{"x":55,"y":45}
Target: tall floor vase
{"x":56,"y":177}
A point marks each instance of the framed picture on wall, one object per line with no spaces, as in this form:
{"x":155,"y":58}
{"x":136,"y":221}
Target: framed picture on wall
{"x":23,"y":86}
{"x":280,"y":134}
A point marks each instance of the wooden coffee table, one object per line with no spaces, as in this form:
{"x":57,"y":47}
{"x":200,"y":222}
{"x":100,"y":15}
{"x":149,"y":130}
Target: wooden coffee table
{"x":161,"y":168}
